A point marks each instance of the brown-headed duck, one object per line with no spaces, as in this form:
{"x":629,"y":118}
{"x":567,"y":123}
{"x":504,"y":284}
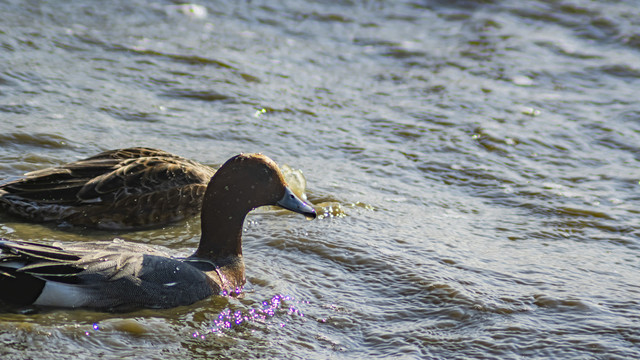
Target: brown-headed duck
{"x":118,"y":275}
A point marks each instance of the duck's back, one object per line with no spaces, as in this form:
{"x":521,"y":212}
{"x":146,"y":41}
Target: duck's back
{"x":117,"y":189}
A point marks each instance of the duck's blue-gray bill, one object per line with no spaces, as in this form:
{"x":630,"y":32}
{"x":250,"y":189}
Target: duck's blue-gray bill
{"x":291,"y":202}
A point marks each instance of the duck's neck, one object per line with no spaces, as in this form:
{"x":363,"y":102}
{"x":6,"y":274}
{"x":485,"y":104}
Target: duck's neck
{"x":221,"y":240}
{"x":221,"y":221}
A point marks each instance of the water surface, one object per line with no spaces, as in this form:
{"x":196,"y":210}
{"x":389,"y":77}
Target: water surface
{"x":480,"y":158}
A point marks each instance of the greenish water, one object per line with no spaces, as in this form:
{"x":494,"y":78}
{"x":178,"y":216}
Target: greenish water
{"x":484,"y":156}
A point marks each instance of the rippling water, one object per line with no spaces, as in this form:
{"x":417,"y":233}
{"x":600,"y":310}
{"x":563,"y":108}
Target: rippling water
{"x":479,"y":162}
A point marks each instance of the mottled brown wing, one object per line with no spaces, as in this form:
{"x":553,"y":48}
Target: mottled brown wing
{"x":109,"y":176}
{"x":140,"y":176}
{"x":102,"y":162}
{"x":56,"y":185}
{"x":147,"y":210}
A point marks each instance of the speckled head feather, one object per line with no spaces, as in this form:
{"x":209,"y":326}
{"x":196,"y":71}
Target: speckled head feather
{"x":249,"y":174}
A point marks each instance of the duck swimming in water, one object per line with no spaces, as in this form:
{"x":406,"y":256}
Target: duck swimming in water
{"x":118,"y":275}
{"x":121,"y":189}
{"x":117,"y":190}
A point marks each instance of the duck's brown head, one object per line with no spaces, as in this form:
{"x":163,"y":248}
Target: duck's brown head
{"x":253,"y":180}
{"x":243,"y":183}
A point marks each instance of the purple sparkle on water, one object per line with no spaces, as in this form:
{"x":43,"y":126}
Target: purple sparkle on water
{"x":228,"y":319}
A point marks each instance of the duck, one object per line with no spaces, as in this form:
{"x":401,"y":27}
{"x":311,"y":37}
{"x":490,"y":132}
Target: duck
{"x":117,"y":275}
{"x":118,"y":190}
{"x":121,"y":189}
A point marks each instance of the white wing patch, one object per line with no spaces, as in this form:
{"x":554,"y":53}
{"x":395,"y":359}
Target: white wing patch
{"x":62,"y":295}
